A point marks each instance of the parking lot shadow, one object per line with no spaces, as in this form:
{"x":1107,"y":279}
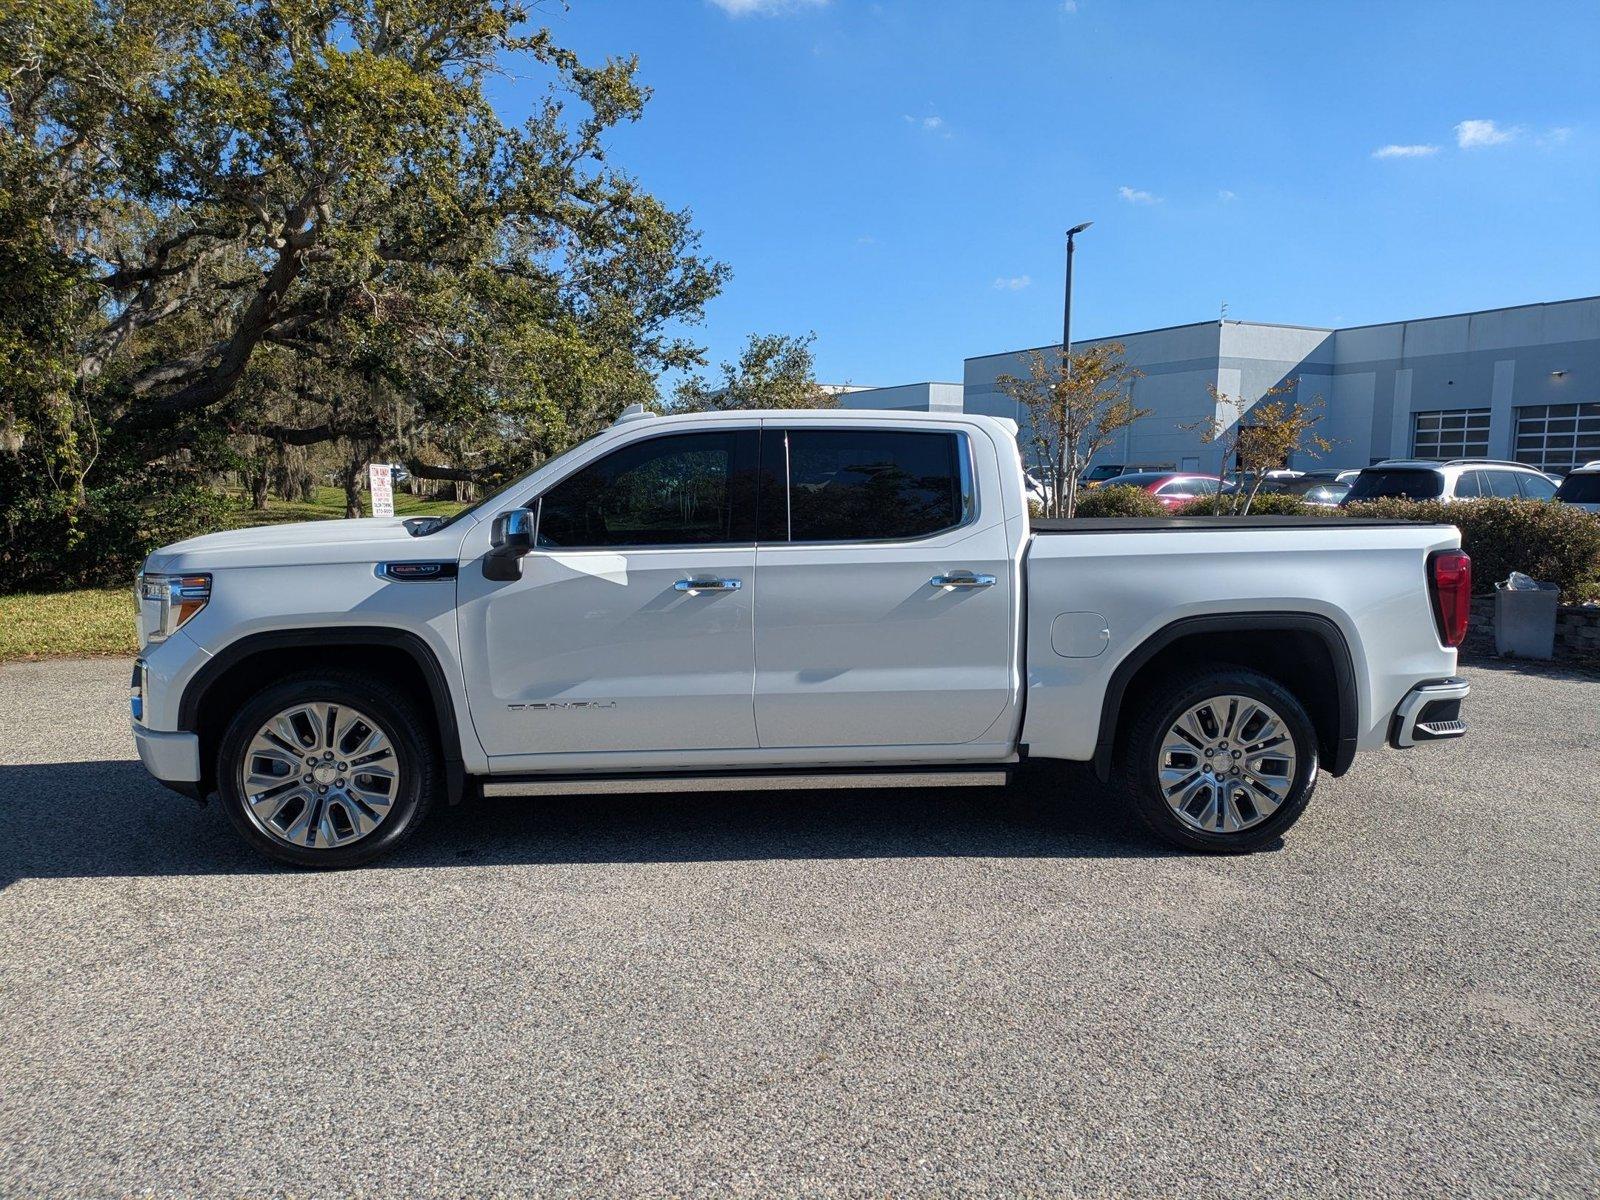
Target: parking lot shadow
{"x":60,"y":820}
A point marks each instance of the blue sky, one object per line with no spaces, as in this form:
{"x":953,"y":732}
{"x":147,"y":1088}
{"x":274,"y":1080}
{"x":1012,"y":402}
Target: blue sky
{"x":897,"y":175}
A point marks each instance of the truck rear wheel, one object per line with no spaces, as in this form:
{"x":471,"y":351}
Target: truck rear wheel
{"x":327,"y":769}
{"x":1222,"y":760}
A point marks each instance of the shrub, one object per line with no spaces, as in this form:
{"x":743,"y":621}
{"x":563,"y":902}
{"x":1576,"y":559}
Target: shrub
{"x":1119,"y":501}
{"x":1557,"y":543}
{"x":51,"y":545}
{"x":1266,"y":504}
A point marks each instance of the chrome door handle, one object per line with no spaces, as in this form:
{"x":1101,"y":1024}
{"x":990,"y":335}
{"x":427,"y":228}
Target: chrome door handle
{"x":961,"y":579}
{"x":708,"y":585}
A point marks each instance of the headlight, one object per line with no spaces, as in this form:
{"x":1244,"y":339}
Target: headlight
{"x":168,"y":602}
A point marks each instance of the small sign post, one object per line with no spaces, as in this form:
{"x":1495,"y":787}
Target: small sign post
{"x":380,"y":478}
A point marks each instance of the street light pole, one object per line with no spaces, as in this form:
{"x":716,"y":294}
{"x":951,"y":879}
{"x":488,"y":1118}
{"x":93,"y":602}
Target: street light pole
{"x":1066,"y":308}
{"x":1065,"y":488}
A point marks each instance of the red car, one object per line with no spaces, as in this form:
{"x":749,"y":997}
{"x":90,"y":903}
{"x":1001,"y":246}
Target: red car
{"x":1172,"y":488}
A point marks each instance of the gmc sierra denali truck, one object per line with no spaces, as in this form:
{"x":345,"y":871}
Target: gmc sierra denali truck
{"x":785,"y":600}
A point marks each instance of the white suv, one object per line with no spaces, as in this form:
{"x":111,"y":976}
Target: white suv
{"x":1451,"y":479}
{"x":1581,"y":489}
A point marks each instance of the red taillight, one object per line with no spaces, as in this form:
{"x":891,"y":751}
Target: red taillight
{"x":1450,"y":580}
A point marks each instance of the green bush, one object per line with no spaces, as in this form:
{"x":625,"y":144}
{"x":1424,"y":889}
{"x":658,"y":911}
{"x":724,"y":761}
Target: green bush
{"x":52,"y":545}
{"x":1557,"y":543}
{"x":1266,"y":504}
{"x":1119,"y":501}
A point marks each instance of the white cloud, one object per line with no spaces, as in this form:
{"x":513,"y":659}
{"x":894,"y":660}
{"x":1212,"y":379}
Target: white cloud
{"x":1069,"y":6}
{"x":1559,"y":136}
{"x":1474,"y":135}
{"x":765,"y":8}
{"x":1225,"y":195}
{"x":866,"y":239}
{"x":1413,"y":150}
{"x":1011,"y":283}
{"x":1138,"y":196}
{"x":932,"y":124}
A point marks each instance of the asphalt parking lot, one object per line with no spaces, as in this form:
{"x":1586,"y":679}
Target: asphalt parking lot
{"x":1000,"y":992}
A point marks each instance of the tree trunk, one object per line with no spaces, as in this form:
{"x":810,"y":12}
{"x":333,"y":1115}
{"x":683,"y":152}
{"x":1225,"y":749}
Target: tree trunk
{"x":292,"y":477}
{"x":350,"y":475}
{"x":259,"y":478}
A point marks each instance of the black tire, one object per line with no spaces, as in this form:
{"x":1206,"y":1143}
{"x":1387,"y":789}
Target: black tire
{"x":414,"y":748}
{"x":1142,"y":747}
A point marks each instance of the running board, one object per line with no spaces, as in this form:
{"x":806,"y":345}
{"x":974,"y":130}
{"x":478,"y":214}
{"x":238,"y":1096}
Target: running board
{"x":768,"y":781}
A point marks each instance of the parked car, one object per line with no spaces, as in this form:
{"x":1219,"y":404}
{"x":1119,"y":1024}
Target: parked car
{"x":1101,"y":472}
{"x":1172,"y":488}
{"x":1582,"y":487}
{"x":1038,"y":491}
{"x":1451,"y":479}
{"x":754,"y":600}
{"x":1332,"y":474}
{"x":1311,"y":489}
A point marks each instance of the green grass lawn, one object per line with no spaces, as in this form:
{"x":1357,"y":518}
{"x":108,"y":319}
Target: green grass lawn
{"x":328,"y":506}
{"x":58,"y":624}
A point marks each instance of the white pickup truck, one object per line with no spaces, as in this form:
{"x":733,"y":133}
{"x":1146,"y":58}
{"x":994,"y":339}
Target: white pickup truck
{"x":785,"y":600}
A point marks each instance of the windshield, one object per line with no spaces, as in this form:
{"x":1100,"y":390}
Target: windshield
{"x":1580,"y":489}
{"x":1382,"y":483}
{"x":434,"y":524}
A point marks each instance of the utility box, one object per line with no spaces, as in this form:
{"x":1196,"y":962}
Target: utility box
{"x":1525,"y":618}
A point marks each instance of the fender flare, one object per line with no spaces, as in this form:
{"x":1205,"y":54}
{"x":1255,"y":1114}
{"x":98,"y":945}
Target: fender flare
{"x":1325,"y":630}
{"x":190,"y":703}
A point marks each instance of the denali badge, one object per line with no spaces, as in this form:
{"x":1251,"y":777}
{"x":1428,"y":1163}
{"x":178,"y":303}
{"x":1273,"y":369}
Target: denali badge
{"x":552,"y":705}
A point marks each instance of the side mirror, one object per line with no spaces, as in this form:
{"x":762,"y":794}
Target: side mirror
{"x":510,"y":537}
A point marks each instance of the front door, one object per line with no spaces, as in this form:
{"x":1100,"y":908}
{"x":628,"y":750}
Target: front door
{"x":631,"y":628}
{"x":886,"y":615}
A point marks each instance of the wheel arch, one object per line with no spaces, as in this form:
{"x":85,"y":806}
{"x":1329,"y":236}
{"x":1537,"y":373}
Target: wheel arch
{"x":1296,"y":648}
{"x":240,"y":668}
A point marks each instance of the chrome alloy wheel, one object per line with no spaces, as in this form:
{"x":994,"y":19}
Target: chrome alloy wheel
{"x":319,"y":775}
{"x":1226,"y":764}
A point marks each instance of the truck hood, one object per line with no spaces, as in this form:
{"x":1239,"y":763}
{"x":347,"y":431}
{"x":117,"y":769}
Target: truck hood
{"x":363,"y":539}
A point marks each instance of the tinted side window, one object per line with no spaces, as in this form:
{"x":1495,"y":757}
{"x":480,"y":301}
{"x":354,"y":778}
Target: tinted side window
{"x":1536,"y":487}
{"x":691,"y":489}
{"x":1580,"y":489}
{"x":849,"y":485}
{"x":1468,"y":485}
{"x":1501,"y":484}
{"x":1378,"y":483}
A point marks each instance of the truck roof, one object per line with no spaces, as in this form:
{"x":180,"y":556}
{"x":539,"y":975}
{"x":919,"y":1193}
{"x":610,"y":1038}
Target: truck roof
{"x":838,"y":416}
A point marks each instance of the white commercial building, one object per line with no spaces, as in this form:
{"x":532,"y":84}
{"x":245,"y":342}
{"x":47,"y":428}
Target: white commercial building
{"x":1520,"y":383}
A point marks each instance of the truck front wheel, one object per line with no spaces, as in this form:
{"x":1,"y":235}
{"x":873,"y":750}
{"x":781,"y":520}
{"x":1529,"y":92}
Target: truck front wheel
{"x":1222,"y":760}
{"x":327,"y":769}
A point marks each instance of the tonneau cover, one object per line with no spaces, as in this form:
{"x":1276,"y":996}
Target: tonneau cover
{"x":1045,"y":525}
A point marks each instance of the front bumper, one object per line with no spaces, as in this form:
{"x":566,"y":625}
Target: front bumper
{"x":1430,"y":712}
{"x":170,"y":757}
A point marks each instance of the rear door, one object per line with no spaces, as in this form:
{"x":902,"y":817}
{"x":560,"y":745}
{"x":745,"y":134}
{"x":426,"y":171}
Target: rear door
{"x":885,"y":615}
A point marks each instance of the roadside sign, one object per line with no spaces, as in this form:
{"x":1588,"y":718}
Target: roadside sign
{"x":380,"y":477}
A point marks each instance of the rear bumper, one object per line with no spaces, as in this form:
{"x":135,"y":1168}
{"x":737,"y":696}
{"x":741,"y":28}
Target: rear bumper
{"x":1430,"y":712}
